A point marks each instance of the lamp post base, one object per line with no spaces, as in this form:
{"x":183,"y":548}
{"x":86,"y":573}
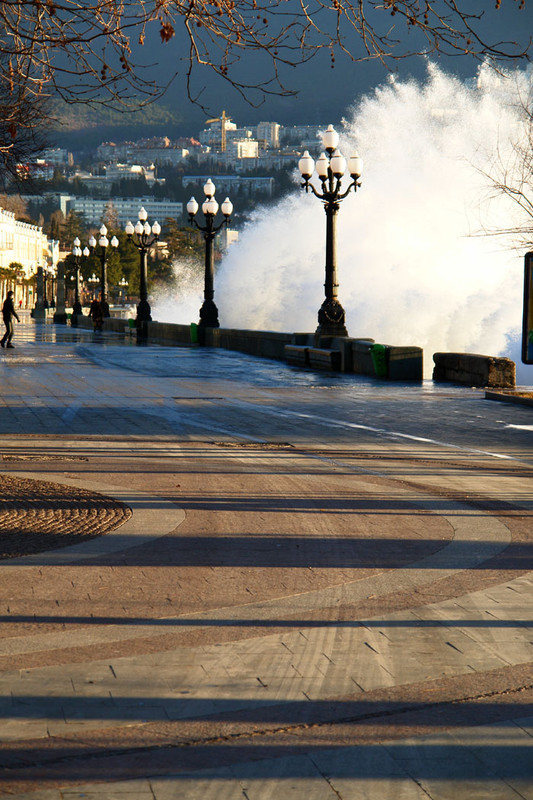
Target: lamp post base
{"x":144,"y":312}
{"x":143,"y":317}
{"x":209,"y":315}
{"x":38,"y":312}
{"x":331,"y":320}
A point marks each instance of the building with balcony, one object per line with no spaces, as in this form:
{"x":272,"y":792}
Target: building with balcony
{"x":25,"y":244}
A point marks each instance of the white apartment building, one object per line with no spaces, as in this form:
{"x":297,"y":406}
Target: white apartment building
{"x":114,"y":172}
{"x":109,"y":151}
{"x":57,"y":156}
{"x":211,"y":136}
{"x":225,"y":184}
{"x":268,"y":133}
{"x":25,"y":244}
{"x":127,"y":208}
{"x":161,"y":156}
{"x":242,"y":148}
{"x":298,"y":134}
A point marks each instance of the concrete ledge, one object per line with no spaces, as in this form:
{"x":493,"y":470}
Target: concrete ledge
{"x":115,"y":324}
{"x":405,"y":363}
{"x":320,"y":358}
{"x":361,"y":353}
{"x":296,"y":355}
{"x":110,"y":323}
{"x":297,"y":349}
{"x":81,"y":321}
{"x":169,"y":332}
{"x":266,"y":344}
{"x":504,"y":397}
{"x":469,"y":369}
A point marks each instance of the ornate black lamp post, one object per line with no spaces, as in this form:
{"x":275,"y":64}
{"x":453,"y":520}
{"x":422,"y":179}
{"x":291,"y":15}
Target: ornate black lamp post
{"x":209,"y":311}
{"x":143,"y":237}
{"x":39,"y":312}
{"x":77,"y":252}
{"x":330,"y":169}
{"x":104,"y":243}
{"x":45,"y":287}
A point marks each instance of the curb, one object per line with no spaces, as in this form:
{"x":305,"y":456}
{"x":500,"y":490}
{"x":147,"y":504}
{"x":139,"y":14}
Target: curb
{"x":509,"y":398}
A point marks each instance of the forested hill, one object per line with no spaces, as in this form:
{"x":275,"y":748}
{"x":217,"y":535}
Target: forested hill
{"x":80,"y":125}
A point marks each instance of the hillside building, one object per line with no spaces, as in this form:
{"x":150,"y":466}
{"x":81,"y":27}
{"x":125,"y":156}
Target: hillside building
{"x":94,"y":209}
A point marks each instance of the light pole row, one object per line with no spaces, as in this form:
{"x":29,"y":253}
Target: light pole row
{"x":103,"y":243}
{"x":77,"y":252}
{"x":331,"y":169}
{"x":144,"y":236}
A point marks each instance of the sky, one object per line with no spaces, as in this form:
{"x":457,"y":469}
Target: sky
{"x":324,"y":93}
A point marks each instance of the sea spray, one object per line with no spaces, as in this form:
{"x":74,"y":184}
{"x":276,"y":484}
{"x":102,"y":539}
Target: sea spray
{"x":181,"y":302}
{"x":415,"y":264}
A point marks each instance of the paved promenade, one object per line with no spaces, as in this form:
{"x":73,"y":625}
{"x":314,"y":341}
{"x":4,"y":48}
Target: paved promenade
{"x":303,"y":586}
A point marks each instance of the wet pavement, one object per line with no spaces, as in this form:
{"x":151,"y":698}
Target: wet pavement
{"x":79,"y":382}
{"x":324,"y":588}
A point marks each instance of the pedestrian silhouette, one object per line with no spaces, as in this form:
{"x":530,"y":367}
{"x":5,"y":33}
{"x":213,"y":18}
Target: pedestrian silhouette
{"x":8,"y":312}
{"x":97,"y":315}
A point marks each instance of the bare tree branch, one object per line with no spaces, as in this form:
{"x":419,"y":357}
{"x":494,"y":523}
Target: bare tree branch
{"x":88,"y":50}
{"x":510,"y":174}
{"x":84,"y":49}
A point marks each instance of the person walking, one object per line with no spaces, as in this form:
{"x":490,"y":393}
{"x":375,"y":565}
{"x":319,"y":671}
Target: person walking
{"x":8,"y":312}
{"x":95,"y":312}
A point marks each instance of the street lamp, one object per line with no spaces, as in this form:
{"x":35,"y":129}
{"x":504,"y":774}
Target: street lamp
{"x":143,"y":237}
{"x":46,"y":304}
{"x":93,"y":280}
{"x":38,"y":311}
{"x":77,"y":253}
{"x":330,"y":169}
{"x":104,"y":243}
{"x":209,"y":311}
{"x":53,"y":286}
{"x":123,"y":283}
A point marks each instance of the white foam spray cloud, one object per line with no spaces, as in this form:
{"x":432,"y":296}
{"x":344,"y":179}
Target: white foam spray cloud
{"x":413,"y":267}
{"x":181,"y":302}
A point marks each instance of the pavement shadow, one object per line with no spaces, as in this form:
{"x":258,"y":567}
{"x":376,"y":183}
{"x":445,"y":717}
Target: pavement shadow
{"x":360,"y":755}
{"x":299,"y":552}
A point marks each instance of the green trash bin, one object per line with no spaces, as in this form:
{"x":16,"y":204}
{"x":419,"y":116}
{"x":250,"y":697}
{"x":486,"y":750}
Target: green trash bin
{"x":131,"y":323}
{"x":194,"y":333}
{"x":379,"y":360}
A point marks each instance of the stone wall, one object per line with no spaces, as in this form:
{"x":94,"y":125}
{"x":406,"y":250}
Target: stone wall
{"x":266,"y":344}
{"x":469,"y":369}
{"x":359,"y":356}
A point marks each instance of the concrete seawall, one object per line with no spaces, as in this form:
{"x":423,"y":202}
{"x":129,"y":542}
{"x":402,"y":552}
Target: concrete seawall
{"x":361,"y":356}
{"x":470,"y":369}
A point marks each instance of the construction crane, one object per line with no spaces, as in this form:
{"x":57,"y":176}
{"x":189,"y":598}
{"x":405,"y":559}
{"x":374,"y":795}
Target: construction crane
{"x":222,"y":119}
